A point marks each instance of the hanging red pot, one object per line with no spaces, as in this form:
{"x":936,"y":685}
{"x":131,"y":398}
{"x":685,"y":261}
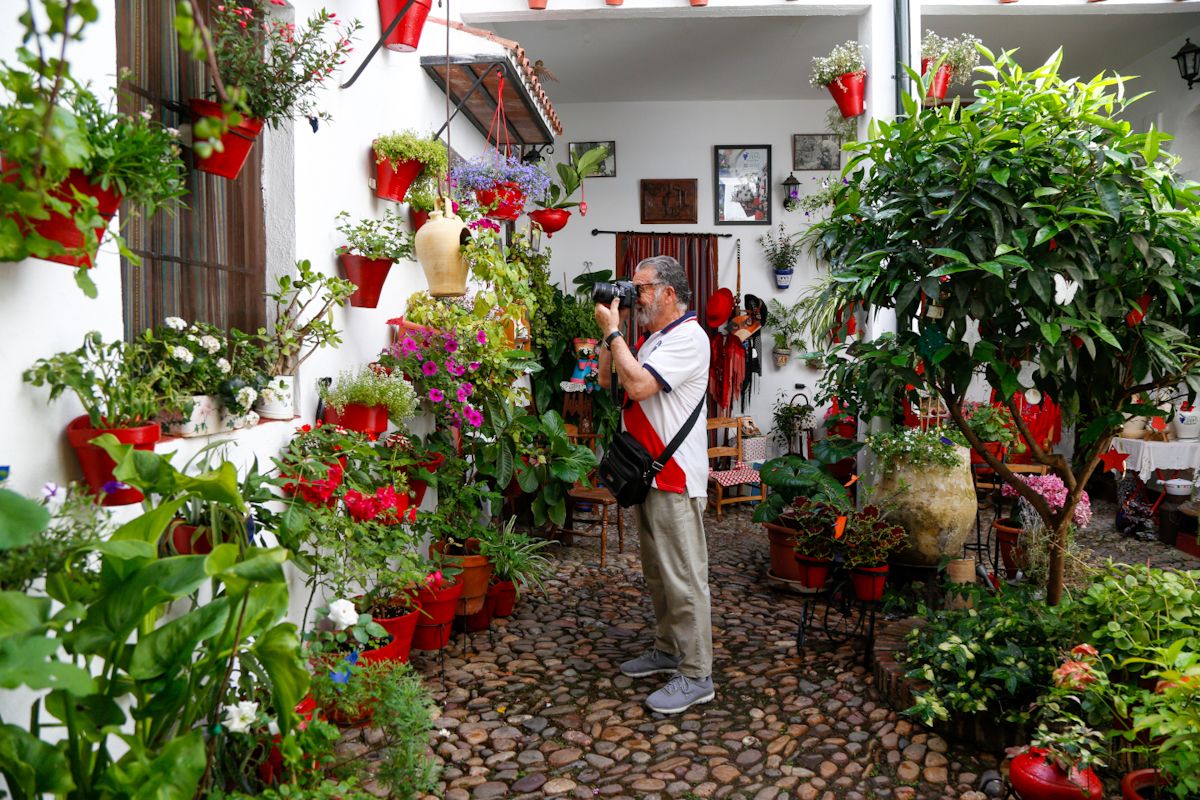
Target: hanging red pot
{"x":98,"y":467}
{"x":941,"y":79}
{"x":506,"y":200}
{"x":699,"y":3}
{"x":236,"y":141}
{"x":847,"y":91}
{"x":371,"y":420}
{"x":392,"y":180}
{"x":368,"y":274}
{"x":186,"y":542}
{"x":418,"y":486}
{"x":550,"y":220}
{"x":1135,"y":317}
{"x":813,"y":571}
{"x":1035,"y":777}
{"x":61,"y":228}
{"x":869,"y":582}
{"x":437,"y":615}
{"x":405,"y":37}
{"x":537,"y":5}
{"x":503,"y":597}
{"x":417,"y":217}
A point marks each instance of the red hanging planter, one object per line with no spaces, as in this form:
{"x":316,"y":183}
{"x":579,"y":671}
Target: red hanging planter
{"x":368,"y":274}
{"x":847,"y":91}
{"x":237,"y":141}
{"x":371,"y":420}
{"x":417,"y":218}
{"x":1135,"y":317}
{"x":869,"y":582}
{"x":392,"y":181}
{"x":941,"y":80}
{"x":1036,"y":777}
{"x":550,"y":220}
{"x":186,"y":542}
{"x":506,"y":200}
{"x":96,"y":464}
{"x":405,"y":37}
{"x":61,"y":228}
{"x":417,"y":486}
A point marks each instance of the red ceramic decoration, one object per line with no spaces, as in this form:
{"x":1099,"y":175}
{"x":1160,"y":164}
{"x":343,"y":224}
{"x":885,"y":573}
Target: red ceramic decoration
{"x":1035,"y":777}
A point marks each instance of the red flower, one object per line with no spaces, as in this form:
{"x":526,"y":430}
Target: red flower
{"x":362,"y":508}
{"x":1084,"y":652}
{"x":1074,"y":675}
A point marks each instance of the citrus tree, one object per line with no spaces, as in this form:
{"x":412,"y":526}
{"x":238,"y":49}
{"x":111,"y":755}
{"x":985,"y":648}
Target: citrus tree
{"x":1039,"y":218}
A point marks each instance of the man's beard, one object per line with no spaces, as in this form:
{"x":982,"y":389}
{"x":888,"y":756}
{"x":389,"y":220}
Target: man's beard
{"x":644,"y":315}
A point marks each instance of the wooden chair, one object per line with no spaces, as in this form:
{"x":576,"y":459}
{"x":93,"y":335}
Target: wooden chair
{"x":722,"y":476}
{"x":598,"y":497}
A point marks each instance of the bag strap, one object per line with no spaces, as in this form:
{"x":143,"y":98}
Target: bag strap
{"x":660,"y":462}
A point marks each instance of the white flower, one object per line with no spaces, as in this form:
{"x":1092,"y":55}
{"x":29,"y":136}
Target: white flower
{"x":210,"y":343}
{"x":240,"y":716}
{"x":273,"y":728}
{"x":191,"y":337}
{"x":147,"y":113}
{"x":174,"y":132}
{"x":50,"y":490}
{"x":1064,"y":290}
{"x":175,"y":323}
{"x":342,"y":613}
{"x":182,"y":353}
{"x":444,"y":733}
{"x":224,"y":366}
{"x":246,"y":396}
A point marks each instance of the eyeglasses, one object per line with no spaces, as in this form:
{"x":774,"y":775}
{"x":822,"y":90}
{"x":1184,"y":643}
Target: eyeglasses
{"x":643,"y":286}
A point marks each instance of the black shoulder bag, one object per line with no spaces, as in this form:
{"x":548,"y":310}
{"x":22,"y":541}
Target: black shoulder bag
{"x":628,"y":469}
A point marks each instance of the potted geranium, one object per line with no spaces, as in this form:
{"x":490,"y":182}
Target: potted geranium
{"x":552,"y":213}
{"x":500,"y":183}
{"x":844,"y":73}
{"x":405,"y":160}
{"x":372,"y":246}
{"x":270,"y":69}
{"x":417,"y":462}
{"x":782,"y":252}
{"x":869,"y":541}
{"x":365,"y":400}
{"x":116,"y":385}
{"x":956,"y":59}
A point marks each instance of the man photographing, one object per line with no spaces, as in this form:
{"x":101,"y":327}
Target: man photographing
{"x":663,"y":385}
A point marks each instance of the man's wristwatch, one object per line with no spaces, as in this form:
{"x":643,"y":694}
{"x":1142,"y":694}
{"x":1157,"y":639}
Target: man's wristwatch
{"x":608,"y":340}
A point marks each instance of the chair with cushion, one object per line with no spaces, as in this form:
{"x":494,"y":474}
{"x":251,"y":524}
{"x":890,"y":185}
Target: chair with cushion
{"x":728,"y":471}
{"x":600,"y":500}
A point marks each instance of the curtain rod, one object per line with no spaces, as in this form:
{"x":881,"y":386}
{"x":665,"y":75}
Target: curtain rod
{"x":597,"y":232}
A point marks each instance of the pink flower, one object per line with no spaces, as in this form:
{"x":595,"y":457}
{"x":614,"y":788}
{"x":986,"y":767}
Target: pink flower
{"x":1084,"y":651}
{"x":429,"y":368}
{"x":463,"y":394}
{"x":408,"y":346}
{"x":434,"y":579}
{"x":455,"y":369}
{"x":436,"y":395}
{"x":1074,"y":675}
{"x":451,"y":345}
{"x":474,"y":365}
{"x":473,"y":417}
{"x":481,"y":337}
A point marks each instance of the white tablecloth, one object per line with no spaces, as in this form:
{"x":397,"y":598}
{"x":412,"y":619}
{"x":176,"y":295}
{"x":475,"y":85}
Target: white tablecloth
{"x":1145,"y":457}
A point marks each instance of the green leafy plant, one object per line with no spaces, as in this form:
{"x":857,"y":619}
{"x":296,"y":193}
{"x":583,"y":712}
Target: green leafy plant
{"x":793,"y":477}
{"x":845,"y":127}
{"x":789,"y":419}
{"x":869,"y":539}
{"x":914,"y":447}
{"x":991,"y":423}
{"x":408,"y":146}
{"x":516,"y":556}
{"x":199,"y":359}
{"x":782,"y":250}
{"x":784,"y":322}
{"x":846,"y":57}
{"x":960,"y":54}
{"x":50,"y":539}
{"x":571,"y":176}
{"x":1171,"y":716}
{"x":303,"y":317}
{"x":369,"y":387}
{"x":375,"y":238}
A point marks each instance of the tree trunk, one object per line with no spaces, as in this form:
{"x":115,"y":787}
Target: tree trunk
{"x":1058,"y":555}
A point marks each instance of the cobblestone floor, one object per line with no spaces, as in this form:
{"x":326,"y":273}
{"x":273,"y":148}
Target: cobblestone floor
{"x":537,"y":708}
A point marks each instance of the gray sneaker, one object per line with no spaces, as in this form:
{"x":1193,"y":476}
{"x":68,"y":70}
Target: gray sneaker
{"x":680,"y":694}
{"x":651,"y":663}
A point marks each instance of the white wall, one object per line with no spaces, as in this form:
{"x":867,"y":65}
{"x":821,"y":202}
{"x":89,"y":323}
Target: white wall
{"x":675,"y":140}
{"x":1172,"y":107}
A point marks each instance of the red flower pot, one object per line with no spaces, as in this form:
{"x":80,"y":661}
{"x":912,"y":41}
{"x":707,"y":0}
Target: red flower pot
{"x":1141,"y":784}
{"x":941,"y":80}
{"x":368,"y":274}
{"x":699,"y":3}
{"x":236,"y":141}
{"x":995,"y":448}
{"x":869,"y":582}
{"x":417,"y":486}
{"x":782,"y":542}
{"x":550,"y":220}
{"x":371,"y":420}
{"x":417,"y":218}
{"x":1037,"y":778}
{"x":1135,"y":317}
{"x":537,"y":5}
{"x":847,"y":91}
{"x":185,"y":541}
{"x":405,"y":37}
{"x":391,"y":183}
{"x":98,"y":467}
{"x":1008,"y":532}
{"x":503,"y":596}
{"x":481,"y":620}
{"x":436,"y":617}
{"x":475,"y":575}
{"x":61,"y":228}
{"x":813,"y":571}
{"x":506,"y":200}
{"x":401,"y":629}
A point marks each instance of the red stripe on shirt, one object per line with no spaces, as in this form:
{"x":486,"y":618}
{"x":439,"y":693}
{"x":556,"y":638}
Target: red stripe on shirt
{"x":671,"y":479}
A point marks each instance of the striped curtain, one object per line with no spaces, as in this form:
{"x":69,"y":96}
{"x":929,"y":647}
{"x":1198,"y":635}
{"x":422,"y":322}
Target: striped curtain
{"x":696,"y":253}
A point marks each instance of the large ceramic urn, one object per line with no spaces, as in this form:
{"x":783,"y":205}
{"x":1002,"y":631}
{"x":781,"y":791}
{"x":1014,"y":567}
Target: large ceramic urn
{"x":439,"y":249}
{"x":934,"y":504}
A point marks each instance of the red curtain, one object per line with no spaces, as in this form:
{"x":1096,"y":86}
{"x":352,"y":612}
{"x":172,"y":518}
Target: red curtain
{"x":696,"y":253}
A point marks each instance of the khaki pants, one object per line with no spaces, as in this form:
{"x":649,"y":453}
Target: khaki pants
{"x":675,"y":564}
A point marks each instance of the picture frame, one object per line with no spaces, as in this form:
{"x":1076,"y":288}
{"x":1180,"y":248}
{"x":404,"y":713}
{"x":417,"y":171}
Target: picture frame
{"x":608,"y":167}
{"x":670,"y":201}
{"x":742,"y":184}
{"x":816,"y":151}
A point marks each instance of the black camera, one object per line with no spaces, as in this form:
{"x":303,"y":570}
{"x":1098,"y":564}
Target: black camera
{"x":604,"y":293}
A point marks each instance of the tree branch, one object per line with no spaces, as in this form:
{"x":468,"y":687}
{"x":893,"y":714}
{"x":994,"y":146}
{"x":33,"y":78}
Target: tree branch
{"x":210,"y":54}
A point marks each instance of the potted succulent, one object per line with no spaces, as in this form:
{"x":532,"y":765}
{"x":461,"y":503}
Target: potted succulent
{"x":116,"y":385}
{"x":844,"y":73}
{"x":500,"y":183}
{"x":552,"y":213}
{"x":782,"y":252}
{"x":956,"y":59}
{"x":372,"y":246}
{"x":786,"y":330}
{"x":870,"y":540}
{"x":269,"y":72}
{"x":303,"y":323}
{"x":405,"y":160}
{"x":364,"y":400}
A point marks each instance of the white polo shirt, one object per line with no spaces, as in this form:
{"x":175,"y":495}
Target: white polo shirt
{"x":678,"y":357}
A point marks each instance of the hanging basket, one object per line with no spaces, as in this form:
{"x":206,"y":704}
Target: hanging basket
{"x":941,"y":80}
{"x":505,"y":199}
{"x":392,"y":181}
{"x":405,"y":37}
{"x":781,"y":357}
{"x":61,"y":228}
{"x":417,"y":218}
{"x":368,"y":274}
{"x":847,"y":91}
{"x":438,"y":247}
{"x":550,"y":220}
{"x":236,"y":141}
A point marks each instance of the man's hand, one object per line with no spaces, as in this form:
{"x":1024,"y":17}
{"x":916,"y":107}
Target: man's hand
{"x":608,"y":317}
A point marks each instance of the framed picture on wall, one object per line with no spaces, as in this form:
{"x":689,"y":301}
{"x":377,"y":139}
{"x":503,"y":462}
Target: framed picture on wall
{"x":816,"y":151}
{"x":669,"y":201}
{"x":608,"y":167}
{"x":742,"y":184}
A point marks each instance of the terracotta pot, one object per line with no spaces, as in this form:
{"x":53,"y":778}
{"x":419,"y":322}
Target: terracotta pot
{"x":436,"y":617}
{"x":1141,"y":784}
{"x":537,"y":5}
{"x":392,"y":180}
{"x":61,"y":228}
{"x":505,"y":199}
{"x":475,"y":576}
{"x":368,"y":274}
{"x":405,"y":37}
{"x":503,"y":596}
{"x":813,"y":571}
{"x":1012,"y":554}
{"x":371,"y":420}
{"x":237,"y":141}
{"x":417,"y":217}
{"x":550,"y":220}
{"x":614,"y":2}
{"x":847,"y":91}
{"x":1037,"y":778}
{"x":438,"y":247}
{"x":941,"y":80}
{"x":782,"y":541}
{"x":98,"y":467}
{"x":869,"y":582}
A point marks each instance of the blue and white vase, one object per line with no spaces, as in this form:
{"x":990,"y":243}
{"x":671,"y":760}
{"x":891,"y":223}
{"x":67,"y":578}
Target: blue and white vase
{"x":783,"y":278}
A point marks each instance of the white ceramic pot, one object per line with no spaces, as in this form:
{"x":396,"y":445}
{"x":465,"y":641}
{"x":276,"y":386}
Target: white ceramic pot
{"x":1134,"y":428}
{"x":1186,"y":425}
{"x":438,"y":246}
{"x":277,"y":400}
{"x":208,"y":416}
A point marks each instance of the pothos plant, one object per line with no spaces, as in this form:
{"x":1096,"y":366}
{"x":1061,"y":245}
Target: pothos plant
{"x":1044,"y":221}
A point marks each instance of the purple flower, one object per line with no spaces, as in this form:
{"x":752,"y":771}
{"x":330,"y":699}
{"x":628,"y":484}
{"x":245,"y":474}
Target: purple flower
{"x":481,"y":337}
{"x":436,"y":395}
{"x":463,"y":394}
{"x":429,"y":368}
{"x":455,"y":369}
{"x":484,"y":222}
{"x":112,"y":487}
{"x":408,"y":346}
{"x":473,"y":417}
{"x":474,"y":365}
{"x":451,"y":345}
